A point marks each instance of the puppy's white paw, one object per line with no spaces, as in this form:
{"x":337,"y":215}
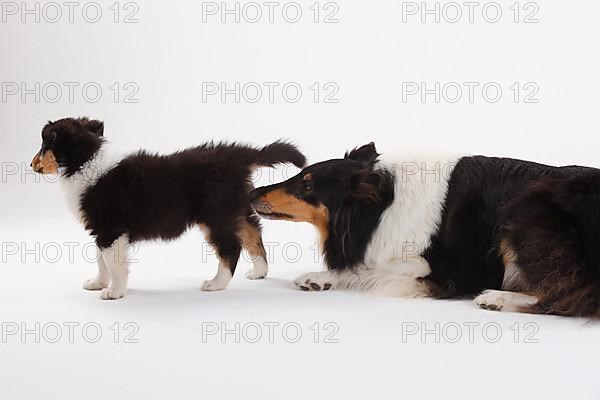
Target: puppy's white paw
{"x":93,"y":284}
{"x":315,"y":281}
{"x":253,"y":274}
{"x":260,"y":270}
{"x":112,"y":294}
{"x":212,"y":286}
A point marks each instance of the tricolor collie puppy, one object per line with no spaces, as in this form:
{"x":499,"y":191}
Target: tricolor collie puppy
{"x":517,"y":235}
{"x":122,"y":199}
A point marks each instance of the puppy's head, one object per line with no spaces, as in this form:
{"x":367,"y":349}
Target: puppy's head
{"x":320,"y":190}
{"x":68,"y":143}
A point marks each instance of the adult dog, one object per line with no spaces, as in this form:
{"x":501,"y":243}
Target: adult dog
{"x":519,"y":236}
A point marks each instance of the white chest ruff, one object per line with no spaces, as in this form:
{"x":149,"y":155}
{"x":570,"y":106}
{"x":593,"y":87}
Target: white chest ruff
{"x":74,"y":186}
{"x":406,"y":227}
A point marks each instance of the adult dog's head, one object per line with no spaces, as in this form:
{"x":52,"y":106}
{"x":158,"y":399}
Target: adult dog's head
{"x":343,"y":198}
{"x":67,"y":143}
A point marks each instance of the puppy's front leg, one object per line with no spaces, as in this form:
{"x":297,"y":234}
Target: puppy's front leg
{"x":102,"y":279}
{"x":116,"y":260}
{"x":221,"y":279}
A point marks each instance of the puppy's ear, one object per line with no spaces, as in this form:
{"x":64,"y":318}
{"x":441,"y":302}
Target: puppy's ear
{"x":365,"y":186}
{"x":94,"y":126}
{"x":366,"y":154}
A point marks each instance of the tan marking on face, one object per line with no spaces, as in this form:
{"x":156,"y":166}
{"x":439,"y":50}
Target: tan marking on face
{"x":298,"y":210}
{"x":251,"y":240}
{"x":45,"y":163}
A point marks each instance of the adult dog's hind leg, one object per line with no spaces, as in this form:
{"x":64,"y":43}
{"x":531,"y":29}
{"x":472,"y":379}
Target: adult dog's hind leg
{"x":250,"y":235}
{"x":228,"y":248}
{"x":102,"y":278}
{"x":548,"y":266}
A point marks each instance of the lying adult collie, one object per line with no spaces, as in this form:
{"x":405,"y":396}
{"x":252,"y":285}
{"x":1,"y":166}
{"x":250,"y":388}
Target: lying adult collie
{"x":126,"y":198}
{"x":519,"y":235}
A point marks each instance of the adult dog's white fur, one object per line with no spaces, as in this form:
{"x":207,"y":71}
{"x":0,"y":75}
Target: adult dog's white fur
{"x":392,"y":260}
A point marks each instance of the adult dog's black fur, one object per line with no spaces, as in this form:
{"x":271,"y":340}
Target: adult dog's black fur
{"x":526,"y":232}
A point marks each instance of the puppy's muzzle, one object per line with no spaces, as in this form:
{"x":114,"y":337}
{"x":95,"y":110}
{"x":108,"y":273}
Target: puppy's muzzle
{"x":44,"y":162}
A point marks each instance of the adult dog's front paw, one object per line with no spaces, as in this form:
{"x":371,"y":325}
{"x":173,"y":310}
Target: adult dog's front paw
{"x":112,"y":294}
{"x":314,"y":281}
{"x":94,"y":284}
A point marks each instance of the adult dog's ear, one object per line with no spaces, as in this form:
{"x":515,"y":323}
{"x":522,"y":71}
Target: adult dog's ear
{"x":366,"y":185}
{"x":366,"y":154}
{"x":94,"y":126}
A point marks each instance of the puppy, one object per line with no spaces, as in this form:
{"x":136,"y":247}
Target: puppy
{"x":123,"y":199}
{"x":523,"y":233}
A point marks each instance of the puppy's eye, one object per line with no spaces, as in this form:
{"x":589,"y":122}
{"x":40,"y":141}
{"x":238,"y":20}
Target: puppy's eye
{"x":307,"y":185}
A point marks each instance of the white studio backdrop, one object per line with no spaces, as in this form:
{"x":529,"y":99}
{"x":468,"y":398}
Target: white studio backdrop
{"x":508,"y":78}
{"x":497,"y":78}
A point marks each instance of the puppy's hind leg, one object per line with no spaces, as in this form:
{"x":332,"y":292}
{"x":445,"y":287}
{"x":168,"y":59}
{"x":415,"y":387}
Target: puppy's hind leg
{"x":116,"y":260}
{"x":228,"y":247}
{"x":102,"y":279}
{"x":250,"y":235}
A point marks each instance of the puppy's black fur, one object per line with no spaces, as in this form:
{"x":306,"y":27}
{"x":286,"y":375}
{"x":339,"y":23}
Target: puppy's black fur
{"x":162,"y":196}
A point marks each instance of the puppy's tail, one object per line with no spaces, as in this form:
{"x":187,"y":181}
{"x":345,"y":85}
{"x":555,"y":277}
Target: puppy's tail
{"x":279,"y":152}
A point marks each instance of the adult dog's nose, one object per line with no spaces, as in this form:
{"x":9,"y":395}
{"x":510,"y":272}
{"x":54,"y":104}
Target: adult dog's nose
{"x":258,"y":202}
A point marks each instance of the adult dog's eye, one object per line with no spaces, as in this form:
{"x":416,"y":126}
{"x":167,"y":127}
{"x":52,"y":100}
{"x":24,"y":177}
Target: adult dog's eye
{"x":307,"y":185}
